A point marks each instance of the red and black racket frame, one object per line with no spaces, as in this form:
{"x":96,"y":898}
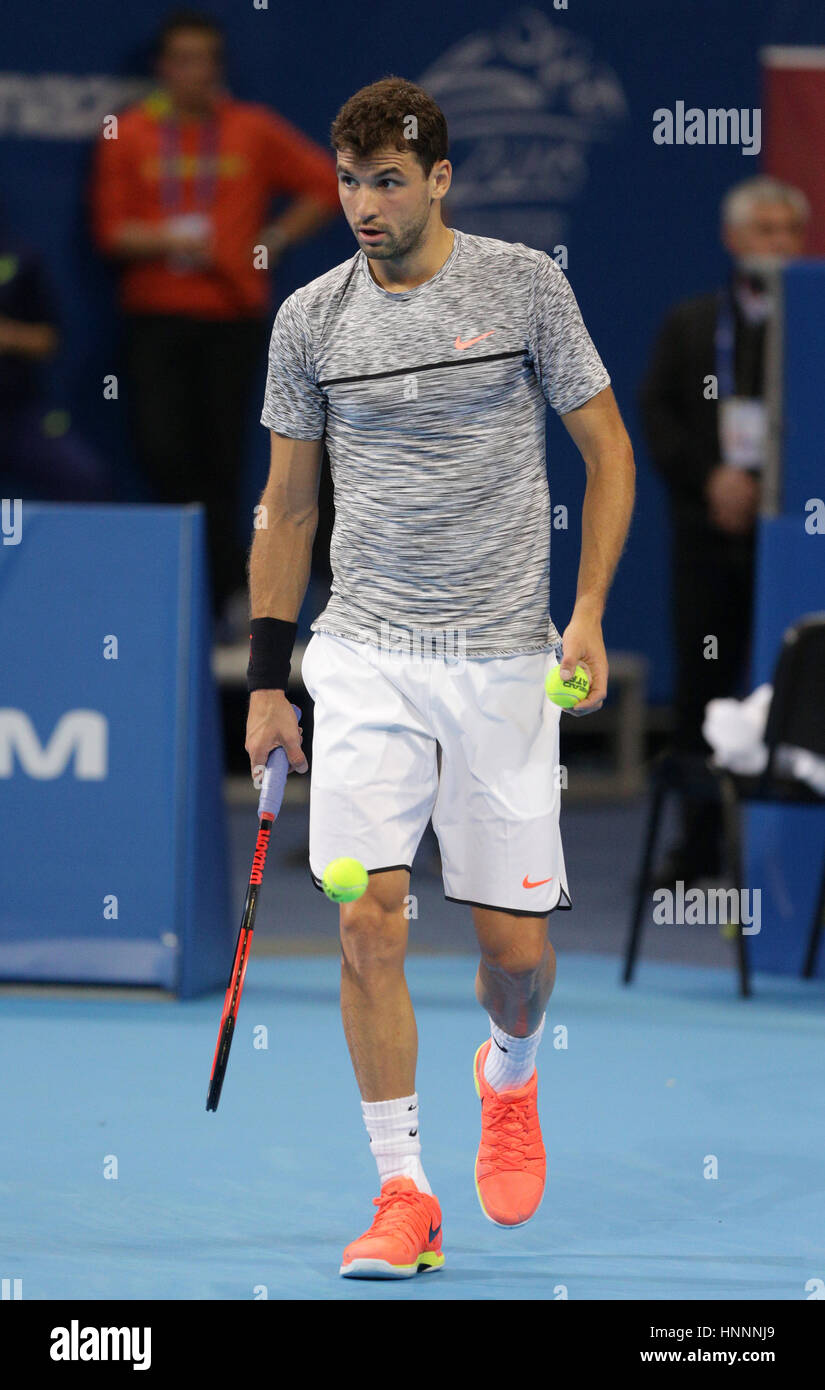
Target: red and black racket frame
{"x":272,"y":790}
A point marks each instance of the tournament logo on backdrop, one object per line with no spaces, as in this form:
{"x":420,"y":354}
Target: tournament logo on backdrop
{"x":62,"y":106}
{"x":524,"y":104}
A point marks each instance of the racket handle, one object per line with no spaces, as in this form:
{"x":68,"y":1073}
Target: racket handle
{"x":274,"y":779}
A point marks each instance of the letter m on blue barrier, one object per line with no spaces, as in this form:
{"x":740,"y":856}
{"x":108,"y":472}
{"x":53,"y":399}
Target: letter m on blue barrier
{"x":79,"y":741}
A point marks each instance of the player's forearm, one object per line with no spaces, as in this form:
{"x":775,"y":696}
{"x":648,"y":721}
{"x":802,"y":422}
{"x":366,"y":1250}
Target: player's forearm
{"x":279,"y":562}
{"x":606,"y":513}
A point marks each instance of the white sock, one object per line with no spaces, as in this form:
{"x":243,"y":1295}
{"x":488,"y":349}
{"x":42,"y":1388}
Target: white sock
{"x":392,"y":1126}
{"x":511,"y":1061}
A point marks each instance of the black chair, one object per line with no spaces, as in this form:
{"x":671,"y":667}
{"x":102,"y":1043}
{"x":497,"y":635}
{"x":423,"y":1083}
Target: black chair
{"x":797,"y":717}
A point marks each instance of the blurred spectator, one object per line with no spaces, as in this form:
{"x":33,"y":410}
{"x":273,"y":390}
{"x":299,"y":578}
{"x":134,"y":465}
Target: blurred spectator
{"x":181,"y":199}
{"x":710,"y":453}
{"x":41,"y":457}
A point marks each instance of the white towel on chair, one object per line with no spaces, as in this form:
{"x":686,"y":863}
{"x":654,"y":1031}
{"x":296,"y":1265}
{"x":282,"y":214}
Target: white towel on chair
{"x":735,"y":730}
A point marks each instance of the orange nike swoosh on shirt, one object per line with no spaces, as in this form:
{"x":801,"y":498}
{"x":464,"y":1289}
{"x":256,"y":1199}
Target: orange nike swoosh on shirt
{"x":469,"y":343}
{"x":525,"y":883}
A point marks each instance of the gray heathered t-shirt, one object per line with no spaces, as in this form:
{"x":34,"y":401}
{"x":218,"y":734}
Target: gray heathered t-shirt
{"x":432,"y":404}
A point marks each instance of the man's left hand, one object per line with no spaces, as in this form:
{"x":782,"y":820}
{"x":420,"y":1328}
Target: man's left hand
{"x":583,"y":645}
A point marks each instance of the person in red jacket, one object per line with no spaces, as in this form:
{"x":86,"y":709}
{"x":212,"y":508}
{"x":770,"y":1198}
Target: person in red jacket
{"x":182,"y":188}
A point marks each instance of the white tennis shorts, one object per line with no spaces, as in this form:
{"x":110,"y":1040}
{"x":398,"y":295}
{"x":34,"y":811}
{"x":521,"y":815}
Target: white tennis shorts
{"x":474,"y":744}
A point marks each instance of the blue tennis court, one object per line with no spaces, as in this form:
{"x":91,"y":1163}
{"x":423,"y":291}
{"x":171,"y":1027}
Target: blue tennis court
{"x":259,"y":1199}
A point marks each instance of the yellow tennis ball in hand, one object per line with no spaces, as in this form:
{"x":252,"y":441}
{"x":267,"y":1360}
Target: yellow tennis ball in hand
{"x":345,"y":880}
{"x":567,"y":693}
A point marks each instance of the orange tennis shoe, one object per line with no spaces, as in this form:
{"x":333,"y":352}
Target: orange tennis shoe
{"x":404,"y":1238}
{"x":510,"y":1164}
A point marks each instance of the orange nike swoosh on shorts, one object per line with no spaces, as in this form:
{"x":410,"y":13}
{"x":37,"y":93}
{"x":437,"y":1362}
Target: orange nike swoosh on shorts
{"x":525,"y":882}
{"x":469,"y":343}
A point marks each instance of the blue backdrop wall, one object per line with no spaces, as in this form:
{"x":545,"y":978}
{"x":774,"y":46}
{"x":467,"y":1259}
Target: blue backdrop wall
{"x":550,"y":111}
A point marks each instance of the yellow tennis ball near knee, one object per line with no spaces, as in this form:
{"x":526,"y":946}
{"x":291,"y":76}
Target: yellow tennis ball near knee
{"x":345,"y":880}
{"x":567,"y":693}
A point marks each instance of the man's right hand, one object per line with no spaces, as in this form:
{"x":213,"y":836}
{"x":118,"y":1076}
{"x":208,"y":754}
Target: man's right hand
{"x":271,"y":723}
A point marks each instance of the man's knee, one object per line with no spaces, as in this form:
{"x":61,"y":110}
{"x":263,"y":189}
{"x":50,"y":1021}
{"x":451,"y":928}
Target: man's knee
{"x":374,"y":929}
{"x":514,"y":945}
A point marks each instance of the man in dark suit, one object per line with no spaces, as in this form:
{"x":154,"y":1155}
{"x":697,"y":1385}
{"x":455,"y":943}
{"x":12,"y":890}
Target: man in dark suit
{"x":703,"y":413}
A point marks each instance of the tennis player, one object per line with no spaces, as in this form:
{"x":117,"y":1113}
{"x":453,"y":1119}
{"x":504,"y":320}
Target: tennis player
{"x":425,"y":363}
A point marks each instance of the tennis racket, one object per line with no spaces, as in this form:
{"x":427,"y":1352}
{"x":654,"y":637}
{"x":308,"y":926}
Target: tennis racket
{"x":272,"y":793}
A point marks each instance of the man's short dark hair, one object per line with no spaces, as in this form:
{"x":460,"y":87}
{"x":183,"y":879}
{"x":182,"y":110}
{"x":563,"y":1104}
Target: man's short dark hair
{"x":378,"y":117}
{"x":180,"y":20}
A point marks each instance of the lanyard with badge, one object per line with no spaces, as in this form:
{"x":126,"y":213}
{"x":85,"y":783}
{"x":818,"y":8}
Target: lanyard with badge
{"x":197,"y":222}
{"x":742,"y":419}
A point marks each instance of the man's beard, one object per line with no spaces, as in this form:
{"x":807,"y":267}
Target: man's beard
{"x":394,"y":247}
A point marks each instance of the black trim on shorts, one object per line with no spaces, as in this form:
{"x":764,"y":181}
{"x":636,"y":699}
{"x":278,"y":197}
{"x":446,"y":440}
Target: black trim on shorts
{"x":385,"y":869}
{"x":516,"y":911}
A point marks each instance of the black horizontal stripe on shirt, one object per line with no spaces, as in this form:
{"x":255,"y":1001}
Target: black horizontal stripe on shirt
{"x":425,"y":367}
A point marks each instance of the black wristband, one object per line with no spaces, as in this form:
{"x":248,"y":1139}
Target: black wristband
{"x":270,"y":647}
